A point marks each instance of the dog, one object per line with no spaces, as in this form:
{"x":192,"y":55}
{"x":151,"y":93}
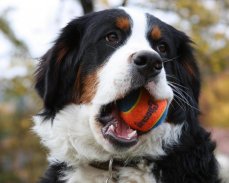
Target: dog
{"x":97,"y":60}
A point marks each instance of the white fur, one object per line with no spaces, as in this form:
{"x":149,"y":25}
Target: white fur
{"x":88,"y":174}
{"x":75,"y":135}
{"x":143,"y":173}
{"x":160,"y":89}
{"x":70,"y":139}
{"x":115,"y":76}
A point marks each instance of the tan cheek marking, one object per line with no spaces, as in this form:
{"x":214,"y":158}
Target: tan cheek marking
{"x":156,"y":33}
{"x":123,"y":23}
{"x":90,"y":84}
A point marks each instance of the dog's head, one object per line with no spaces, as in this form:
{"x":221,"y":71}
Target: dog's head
{"x":97,"y":60}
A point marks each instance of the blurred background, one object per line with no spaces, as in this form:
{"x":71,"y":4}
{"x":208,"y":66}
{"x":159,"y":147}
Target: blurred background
{"x":27,"y":30}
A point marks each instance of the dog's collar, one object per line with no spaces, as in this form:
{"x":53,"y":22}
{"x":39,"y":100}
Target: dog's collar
{"x":116,"y":163}
{"x":113,"y":164}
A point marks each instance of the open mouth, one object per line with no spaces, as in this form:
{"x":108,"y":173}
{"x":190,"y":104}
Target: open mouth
{"x":117,"y":130}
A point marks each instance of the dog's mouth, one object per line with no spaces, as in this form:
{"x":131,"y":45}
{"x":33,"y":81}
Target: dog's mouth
{"x":115,"y":129}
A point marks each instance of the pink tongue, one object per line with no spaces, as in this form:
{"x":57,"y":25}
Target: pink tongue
{"x":123,"y":130}
{"x":120,"y":128}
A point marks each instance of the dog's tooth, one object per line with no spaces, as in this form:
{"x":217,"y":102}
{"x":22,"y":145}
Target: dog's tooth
{"x":111,"y":128}
{"x":132,"y":134}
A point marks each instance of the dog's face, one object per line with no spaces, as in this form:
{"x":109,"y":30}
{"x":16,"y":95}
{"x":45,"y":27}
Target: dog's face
{"x":97,"y":60}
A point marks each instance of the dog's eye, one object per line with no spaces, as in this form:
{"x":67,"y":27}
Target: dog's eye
{"x":112,"y":38}
{"x":162,"y":48}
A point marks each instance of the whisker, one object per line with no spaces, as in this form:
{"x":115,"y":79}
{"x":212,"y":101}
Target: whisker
{"x":111,"y":46}
{"x":178,"y":90}
{"x":177,"y":93}
{"x":179,"y":85}
{"x":181,"y":97}
{"x":184,"y":92}
{"x":179,"y":104}
{"x":171,"y":76}
{"x":170,"y":60}
{"x":174,"y":84}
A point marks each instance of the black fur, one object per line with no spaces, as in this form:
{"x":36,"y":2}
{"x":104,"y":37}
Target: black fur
{"x":80,"y":45}
{"x":53,"y":173}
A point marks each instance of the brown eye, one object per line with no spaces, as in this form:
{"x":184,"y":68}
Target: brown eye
{"x":112,"y":38}
{"x":162,"y":48}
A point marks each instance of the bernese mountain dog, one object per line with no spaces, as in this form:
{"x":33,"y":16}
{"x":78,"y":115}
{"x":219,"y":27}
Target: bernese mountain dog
{"x":99,"y":59}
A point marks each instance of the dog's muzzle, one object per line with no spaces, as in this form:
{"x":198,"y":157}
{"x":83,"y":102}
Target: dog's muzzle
{"x":148,"y":64}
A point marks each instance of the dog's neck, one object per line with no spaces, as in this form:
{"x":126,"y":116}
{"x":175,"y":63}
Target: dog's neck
{"x":116,"y":163}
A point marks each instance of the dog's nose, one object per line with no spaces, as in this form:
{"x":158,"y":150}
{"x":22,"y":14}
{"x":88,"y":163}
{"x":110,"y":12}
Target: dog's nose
{"x":147,"y":63}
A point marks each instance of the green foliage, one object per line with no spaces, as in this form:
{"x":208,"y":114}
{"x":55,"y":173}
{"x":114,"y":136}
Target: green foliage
{"x":22,"y":159}
{"x":215,"y":100}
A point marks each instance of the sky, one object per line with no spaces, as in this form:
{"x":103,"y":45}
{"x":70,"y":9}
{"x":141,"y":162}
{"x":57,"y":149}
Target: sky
{"x":37,"y":23}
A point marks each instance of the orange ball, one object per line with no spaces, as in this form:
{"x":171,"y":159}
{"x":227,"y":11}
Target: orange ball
{"x":141,"y":112}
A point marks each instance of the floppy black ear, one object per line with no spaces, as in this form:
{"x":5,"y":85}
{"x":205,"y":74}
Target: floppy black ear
{"x":185,"y":80}
{"x":57,"y":71}
{"x":189,"y":72}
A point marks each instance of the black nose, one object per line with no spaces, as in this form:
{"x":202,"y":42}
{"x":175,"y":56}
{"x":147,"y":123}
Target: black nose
{"x":147,"y":63}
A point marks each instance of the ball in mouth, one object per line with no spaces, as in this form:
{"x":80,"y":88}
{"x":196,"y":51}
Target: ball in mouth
{"x":125,"y":120}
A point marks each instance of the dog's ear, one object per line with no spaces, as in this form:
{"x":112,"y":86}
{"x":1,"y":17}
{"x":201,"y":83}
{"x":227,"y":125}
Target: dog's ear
{"x":56,"y":75}
{"x":188,"y":70}
{"x":185,"y":80}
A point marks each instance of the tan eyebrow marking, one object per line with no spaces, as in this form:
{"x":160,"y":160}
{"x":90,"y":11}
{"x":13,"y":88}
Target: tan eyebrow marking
{"x":156,"y":33}
{"x":123,"y":23}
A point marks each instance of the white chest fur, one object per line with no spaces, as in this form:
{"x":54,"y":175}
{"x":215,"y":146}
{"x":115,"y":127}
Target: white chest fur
{"x":87,"y":174}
